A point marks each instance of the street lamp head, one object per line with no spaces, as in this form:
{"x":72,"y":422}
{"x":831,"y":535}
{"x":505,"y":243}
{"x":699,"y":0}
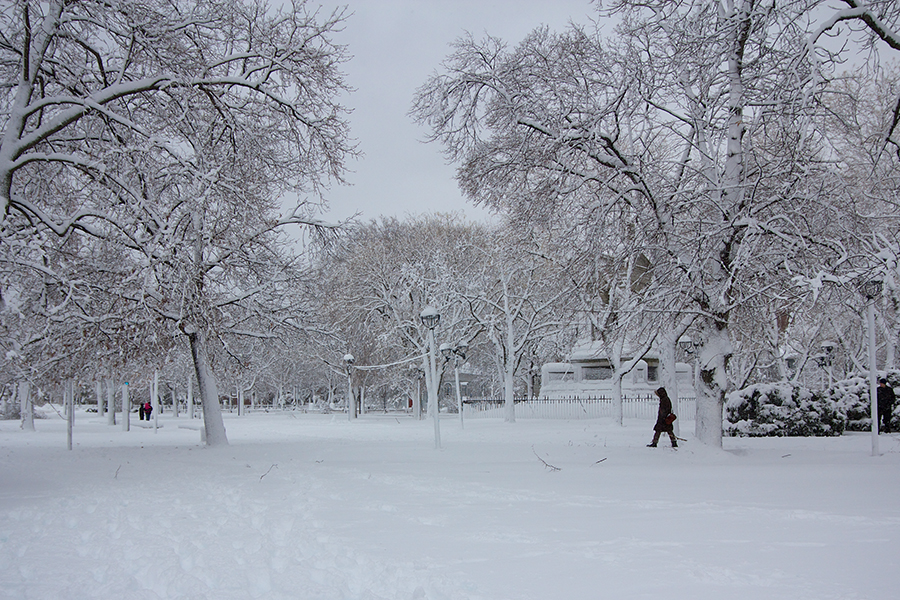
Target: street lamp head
{"x":348,"y":358}
{"x":461,"y":349}
{"x":446,"y":349}
{"x":430,"y":317}
{"x":871,"y":289}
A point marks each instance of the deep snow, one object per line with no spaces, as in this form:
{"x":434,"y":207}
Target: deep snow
{"x":315,"y":507}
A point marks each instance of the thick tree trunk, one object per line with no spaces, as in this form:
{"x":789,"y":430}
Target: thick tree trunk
{"x":209,"y":394}
{"x":26,"y":406}
{"x":712,"y":384}
{"x":510,"y":401}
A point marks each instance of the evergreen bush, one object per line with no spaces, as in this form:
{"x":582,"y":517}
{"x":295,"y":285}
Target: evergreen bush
{"x":851,"y":395}
{"x":782,"y":409}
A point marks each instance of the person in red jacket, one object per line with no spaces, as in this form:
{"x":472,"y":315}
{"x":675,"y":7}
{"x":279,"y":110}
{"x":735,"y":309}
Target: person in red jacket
{"x":148,"y":408}
{"x":663,"y":423}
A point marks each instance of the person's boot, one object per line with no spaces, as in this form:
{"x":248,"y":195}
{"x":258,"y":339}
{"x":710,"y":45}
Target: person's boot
{"x":653,"y":445}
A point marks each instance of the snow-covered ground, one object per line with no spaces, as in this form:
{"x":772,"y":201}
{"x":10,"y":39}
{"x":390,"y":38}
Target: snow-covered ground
{"x":315,"y":507}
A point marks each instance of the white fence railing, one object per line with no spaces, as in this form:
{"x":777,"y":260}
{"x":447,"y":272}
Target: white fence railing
{"x":645,"y":407}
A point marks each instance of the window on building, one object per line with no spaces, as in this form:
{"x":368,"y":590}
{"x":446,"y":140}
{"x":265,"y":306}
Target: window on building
{"x":652,"y":372}
{"x":598,"y":373}
{"x":563,"y":376}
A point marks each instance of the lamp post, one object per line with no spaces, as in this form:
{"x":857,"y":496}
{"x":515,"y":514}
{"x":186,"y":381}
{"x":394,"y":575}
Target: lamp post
{"x":351,"y":403}
{"x":458,"y":353}
{"x":871,"y":289}
{"x":430,"y":319}
{"x":826,"y":360}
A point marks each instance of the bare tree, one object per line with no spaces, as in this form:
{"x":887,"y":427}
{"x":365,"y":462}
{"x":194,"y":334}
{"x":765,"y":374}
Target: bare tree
{"x":172,"y":130}
{"x":696,"y":118}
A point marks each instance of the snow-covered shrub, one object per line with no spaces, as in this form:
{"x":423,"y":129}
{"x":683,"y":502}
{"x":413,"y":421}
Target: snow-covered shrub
{"x":781,"y":409}
{"x":851,"y":395}
{"x":9,"y":411}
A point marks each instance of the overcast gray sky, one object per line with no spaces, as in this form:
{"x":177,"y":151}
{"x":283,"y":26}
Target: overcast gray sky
{"x":396,"y":45}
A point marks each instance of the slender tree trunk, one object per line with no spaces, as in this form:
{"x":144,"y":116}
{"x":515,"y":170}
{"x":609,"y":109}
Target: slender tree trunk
{"x":110,"y":401}
{"x":154,"y":400}
{"x":510,"y":366}
{"x":126,"y":408}
{"x":213,"y":424}
{"x":618,"y":408}
{"x":98,"y":393}
{"x":190,"y":397}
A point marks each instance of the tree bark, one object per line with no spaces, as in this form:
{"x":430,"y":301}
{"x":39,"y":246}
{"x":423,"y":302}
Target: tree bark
{"x":26,"y":406}
{"x":209,"y":395}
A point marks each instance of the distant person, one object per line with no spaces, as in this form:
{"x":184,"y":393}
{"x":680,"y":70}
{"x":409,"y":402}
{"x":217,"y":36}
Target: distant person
{"x":663,"y":422}
{"x":141,"y":412}
{"x":148,"y":408}
{"x":886,"y":400}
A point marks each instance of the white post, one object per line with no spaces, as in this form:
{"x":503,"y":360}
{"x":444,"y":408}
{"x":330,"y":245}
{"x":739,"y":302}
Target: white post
{"x":351,"y":399}
{"x":110,"y":401}
{"x":175,"y":397}
{"x":69,"y":393}
{"x":873,"y":377}
{"x":126,"y":408}
{"x":417,"y":404}
{"x":433,"y":392}
{"x":154,"y":400}
{"x":459,"y":405}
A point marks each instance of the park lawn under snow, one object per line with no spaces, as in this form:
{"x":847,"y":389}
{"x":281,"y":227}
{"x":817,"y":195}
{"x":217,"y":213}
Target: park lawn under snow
{"x":315,"y":507}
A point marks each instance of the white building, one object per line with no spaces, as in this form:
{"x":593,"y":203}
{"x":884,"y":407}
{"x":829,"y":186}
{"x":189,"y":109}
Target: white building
{"x":588,"y":375}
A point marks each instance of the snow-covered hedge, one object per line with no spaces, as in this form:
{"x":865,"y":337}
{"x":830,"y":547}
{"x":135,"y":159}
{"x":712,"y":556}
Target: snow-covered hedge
{"x":782,"y":409}
{"x":852,"y":398}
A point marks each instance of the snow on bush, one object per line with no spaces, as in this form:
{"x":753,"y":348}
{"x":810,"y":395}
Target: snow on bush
{"x":851,"y":396}
{"x":782,"y":409}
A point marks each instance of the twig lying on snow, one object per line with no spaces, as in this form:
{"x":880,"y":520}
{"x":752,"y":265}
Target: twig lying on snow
{"x":601,"y":460}
{"x":546,"y":464}
{"x":267,"y":472}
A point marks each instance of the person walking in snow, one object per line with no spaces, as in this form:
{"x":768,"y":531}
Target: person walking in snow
{"x":148,"y":408}
{"x":663,"y":424}
{"x":141,"y":412}
{"x":886,"y":400}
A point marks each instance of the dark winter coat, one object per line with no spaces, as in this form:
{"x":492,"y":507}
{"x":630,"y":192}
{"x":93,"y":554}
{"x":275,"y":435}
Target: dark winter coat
{"x":665,"y":408}
{"x":886,"y":398}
